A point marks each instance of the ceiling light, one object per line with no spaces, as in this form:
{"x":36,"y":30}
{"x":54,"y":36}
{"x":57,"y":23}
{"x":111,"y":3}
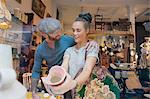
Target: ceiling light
{"x":147,"y":14}
{"x":136,"y":12}
{"x":5,"y":16}
{"x":82,"y":0}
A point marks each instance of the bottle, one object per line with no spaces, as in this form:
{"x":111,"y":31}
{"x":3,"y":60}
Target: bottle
{"x":39,"y":86}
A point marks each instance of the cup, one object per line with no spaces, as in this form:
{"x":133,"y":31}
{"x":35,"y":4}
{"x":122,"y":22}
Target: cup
{"x":117,"y":74}
{"x":124,"y":74}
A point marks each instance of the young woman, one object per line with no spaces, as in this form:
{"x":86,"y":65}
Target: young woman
{"x":79,"y":63}
{"x":77,"y":57}
{"x":77,"y":60}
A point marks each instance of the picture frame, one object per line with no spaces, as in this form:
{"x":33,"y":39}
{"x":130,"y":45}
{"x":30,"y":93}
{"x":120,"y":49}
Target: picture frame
{"x":38,"y":7}
{"x":19,"y":1}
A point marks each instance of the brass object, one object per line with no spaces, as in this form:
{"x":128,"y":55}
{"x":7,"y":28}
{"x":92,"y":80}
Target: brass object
{"x":5,"y":16}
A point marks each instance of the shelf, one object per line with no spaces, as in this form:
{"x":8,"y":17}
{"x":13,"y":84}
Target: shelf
{"x":103,"y":33}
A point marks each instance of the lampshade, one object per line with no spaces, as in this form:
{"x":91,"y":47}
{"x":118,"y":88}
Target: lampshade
{"x":6,"y":56}
{"x":5,"y":16}
{"x":132,"y":52}
{"x":10,"y":88}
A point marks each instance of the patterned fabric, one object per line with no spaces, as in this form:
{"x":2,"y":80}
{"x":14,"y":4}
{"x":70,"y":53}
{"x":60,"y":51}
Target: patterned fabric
{"x":107,"y":80}
{"x":77,"y":58}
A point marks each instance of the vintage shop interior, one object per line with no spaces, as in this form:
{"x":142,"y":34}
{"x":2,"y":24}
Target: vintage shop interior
{"x":121,"y":28}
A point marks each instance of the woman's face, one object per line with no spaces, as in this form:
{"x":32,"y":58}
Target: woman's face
{"x":79,"y":32}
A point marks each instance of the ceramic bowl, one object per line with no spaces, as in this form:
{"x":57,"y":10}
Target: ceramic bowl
{"x":57,"y":75}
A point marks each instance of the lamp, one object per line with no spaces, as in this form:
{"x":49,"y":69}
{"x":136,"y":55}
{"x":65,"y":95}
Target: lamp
{"x":132,"y":52}
{"x":5,"y":16}
{"x":10,"y":88}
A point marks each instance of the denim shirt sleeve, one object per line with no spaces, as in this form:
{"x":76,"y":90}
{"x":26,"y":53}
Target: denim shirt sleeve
{"x":37,"y":64}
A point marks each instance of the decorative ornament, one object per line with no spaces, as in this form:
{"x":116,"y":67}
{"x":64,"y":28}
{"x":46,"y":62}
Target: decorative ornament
{"x":5,"y":16}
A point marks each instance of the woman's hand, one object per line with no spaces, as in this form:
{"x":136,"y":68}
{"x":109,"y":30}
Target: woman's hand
{"x":68,"y":84}
{"x":47,"y":86}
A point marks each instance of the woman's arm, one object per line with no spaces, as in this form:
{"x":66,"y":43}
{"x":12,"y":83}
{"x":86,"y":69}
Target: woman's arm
{"x":85,"y":74}
{"x":69,"y":82}
{"x":65,"y":63}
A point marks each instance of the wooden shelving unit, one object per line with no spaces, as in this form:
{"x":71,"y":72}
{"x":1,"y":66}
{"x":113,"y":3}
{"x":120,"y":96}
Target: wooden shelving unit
{"x":105,"y":59}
